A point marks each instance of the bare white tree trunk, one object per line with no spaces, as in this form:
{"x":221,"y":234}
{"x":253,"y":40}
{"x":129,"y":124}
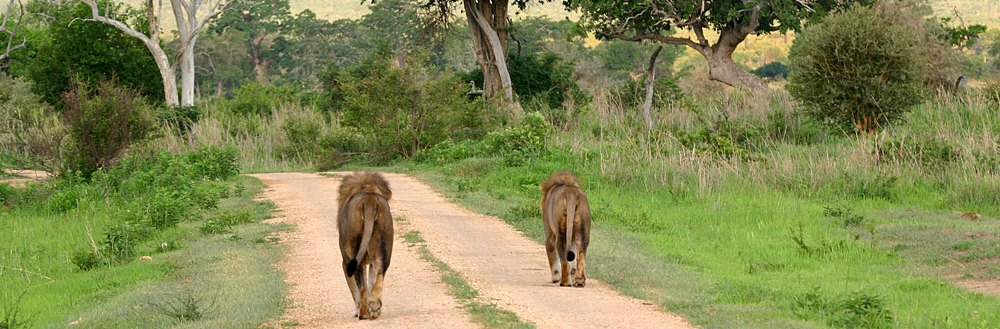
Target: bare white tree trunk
{"x":188,"y":27}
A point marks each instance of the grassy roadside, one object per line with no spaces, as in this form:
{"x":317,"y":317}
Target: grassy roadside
{"x":755,"y":258}
{"x":212,"y":269}
{"x":486,"y":314}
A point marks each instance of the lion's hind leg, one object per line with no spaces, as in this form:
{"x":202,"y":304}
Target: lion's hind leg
{"x":375,"y":302}
{"x":580,"y":279}
{"x":554,"y":262}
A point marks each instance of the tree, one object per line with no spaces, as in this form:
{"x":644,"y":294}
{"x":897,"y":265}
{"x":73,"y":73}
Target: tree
{"x":307,"y":44}
{"x":488,"y":22}
{"x":734,"y":20}
{"x":11,"y":43}
{"x":188,"y":26}
{"x":857,"y":70}
{"x":262,"y":21}
{"x":221,"y":63}
{"x":71,"y":50}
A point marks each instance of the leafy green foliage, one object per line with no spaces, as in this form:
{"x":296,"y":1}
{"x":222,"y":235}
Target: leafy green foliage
{"x":102,"y":124}
{"x":403,"y":110}
{"x":855,"y":70}
{"x":856,"y":310}
{"x":259,"y":99}
{"x":545,"y":78}
{"x":76,"y":49}
{"x":772,"y":70}
{"x":514,"y":144}
{"x":962,"y":36}
{"x":608,"y":17}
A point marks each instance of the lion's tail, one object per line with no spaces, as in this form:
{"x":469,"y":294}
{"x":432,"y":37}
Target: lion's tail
{"x":570,"y":220}
{"x":370,"y":214}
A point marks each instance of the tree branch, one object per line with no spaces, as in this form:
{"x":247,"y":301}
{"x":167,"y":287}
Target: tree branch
{"x":96,"y":17}
{"x":661,"y":38}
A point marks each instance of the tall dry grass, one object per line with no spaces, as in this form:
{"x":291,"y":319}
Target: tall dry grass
{"x":947,"y":146}
{"x":260,"y":139}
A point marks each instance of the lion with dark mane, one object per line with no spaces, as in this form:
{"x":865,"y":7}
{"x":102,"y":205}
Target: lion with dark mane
{"x":566,"y":217}
{"x":365,"y":227}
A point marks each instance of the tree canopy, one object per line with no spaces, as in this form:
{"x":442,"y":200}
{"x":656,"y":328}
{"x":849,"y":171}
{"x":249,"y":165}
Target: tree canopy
{"x":734,"y":20}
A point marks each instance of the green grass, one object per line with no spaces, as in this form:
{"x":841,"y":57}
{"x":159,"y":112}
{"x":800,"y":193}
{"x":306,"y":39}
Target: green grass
{"x":488,"y":315}
{"x":228,"y":278}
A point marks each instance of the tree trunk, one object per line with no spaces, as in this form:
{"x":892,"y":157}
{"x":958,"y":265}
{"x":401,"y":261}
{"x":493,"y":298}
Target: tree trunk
{"x":259,"y":65}
{"x":187,"y":74}
{"x":167,"y":75}
{"x":650,"y":82}
{"x":721,"y":66}
{"x":488,"y":25}
{"x":220,"y":90}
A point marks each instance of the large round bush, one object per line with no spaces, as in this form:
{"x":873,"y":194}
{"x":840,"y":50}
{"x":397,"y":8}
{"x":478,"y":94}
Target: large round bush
{"x":856,"y":70}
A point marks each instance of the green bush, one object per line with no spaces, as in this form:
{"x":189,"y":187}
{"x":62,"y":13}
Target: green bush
{"x":544,"y":78}
{"x":513,"y":144}
{"x":180,"y":118}
{"x":856,"y":310}
{"x":520,"y":142}
{"x":772,"y":70}
{"x":856,"y":70}
{"x":449,"y":151}
{"x":75,"y":49}
{"x":85,"y":260}
{"x":214,"y":163}
{"x":166,"y":207}
{"x":260,"y":99}
{"x":222,"y":221}
{"x":301,"y":133}
{"x":120,"y":240}
{"x":102,"y":124}
{"x":402,"y":111}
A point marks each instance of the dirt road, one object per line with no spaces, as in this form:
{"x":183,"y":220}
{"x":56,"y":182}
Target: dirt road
{"x":506,"y":267}
{"x":24,"y":176}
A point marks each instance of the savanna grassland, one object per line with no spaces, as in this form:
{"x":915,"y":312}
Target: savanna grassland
{"x":734,"y":209}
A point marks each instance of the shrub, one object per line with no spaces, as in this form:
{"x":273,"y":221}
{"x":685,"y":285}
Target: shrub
{"x":216,"y":163}
{"x":222,"y":221}
{"x":856,"y":69}
{"x":521,"y":142}
{"x":120,"y":240}
{"x":544,"y":77}
{"x":939,"y":63}
{"x":102,"y":124}
{"x":260,"y":99}
{"x":449,"y":151}
{"x":405,"y":110}
{"x":772,"y":70}
{"x":85,"y":260}
{"x":166,"y":208}
{"x":180,"y":118}
{"x":301,"y":133}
